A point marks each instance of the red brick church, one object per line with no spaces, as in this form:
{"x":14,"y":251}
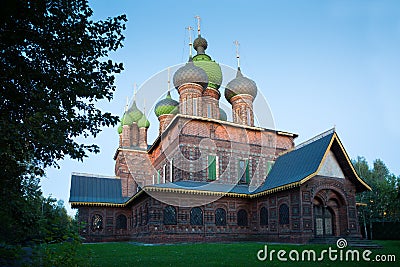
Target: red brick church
{"x":208,"y":179}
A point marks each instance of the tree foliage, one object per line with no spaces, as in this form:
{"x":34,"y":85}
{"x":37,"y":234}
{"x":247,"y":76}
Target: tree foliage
{"x":54,"y":68}
{"x":383,"y":202}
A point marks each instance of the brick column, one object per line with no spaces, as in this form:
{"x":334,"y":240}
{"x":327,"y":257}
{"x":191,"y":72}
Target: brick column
{"x":211,"y":103}
{"x":190,"y":99}
{"x":164,"y":120}
{"x":134,"y":137}
{"x":143,"y":138}
{"x":126,"y":134}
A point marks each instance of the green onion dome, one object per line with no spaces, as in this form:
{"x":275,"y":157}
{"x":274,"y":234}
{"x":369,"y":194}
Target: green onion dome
{"x":166,"y":106}
{"x":190,"y":74}
{"x":212,"y":69}
{"x":120,"y":128}
{"x":222,"y":115}
{"x":134,"y":113}
{"x":240,"y":85}
{"x":143,"y":122}
{"x":126,"y":119}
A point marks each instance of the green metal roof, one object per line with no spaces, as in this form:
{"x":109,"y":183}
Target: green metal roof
{"x":206,"y":186}
{"x":95,"y":189}
{"x":296,"y":165}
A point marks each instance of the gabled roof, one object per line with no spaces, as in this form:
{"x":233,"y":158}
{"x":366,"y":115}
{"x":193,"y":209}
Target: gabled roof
{"x":86,"y":188}
{"x":304,"y":162}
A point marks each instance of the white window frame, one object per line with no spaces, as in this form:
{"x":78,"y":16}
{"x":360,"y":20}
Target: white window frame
{"x":164,"y":172}
{"x":216,"y":167}
{"x":194,"y":106}
{"x":171,"y":166}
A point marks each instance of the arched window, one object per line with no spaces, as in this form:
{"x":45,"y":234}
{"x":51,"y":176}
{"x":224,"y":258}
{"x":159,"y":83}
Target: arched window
{"x":263,"y":216}
{"x":196,"y":216}
{"x":220,"y":217}
{"x":242,"y":218}
{"x":283,"y":214}
{"x":169,"y":215}
{"x":97,"y":222}
{"x":121,"y":222}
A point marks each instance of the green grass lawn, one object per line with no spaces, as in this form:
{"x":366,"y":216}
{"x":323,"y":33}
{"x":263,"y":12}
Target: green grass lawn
{"x":213,"y":254}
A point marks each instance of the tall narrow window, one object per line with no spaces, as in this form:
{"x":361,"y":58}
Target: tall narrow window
{"x":169,"y":215}
{"x":220,"y":217}
{"x":243,"y":171}
{"x":242,"y":218}
{"x":248,"y":117}
{"x":209,"y":113}
{"x":158,"y":176}
{"x":184,"y":110}
{"x":196,"y":216}
{"x":283,"y":214}
{"x":194,"y":106}
{"x":212,"y":168}
{"x":263,"y":216}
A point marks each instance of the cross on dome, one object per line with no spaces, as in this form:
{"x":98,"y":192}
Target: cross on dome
{"x":236,"y":42}
{"x":198,"y":24}
{"x":190,"y":29}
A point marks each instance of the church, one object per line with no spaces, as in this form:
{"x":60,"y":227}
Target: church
{"x":207,"y":179}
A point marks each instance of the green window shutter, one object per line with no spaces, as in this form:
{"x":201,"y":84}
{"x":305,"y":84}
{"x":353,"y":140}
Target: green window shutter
{"x":247,"y":171}
{"x":212,"y":168}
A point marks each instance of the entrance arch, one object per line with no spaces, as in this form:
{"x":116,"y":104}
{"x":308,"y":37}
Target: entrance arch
{"x":330,"y":213}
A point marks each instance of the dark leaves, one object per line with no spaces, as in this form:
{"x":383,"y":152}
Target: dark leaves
{"x":52,"y":71}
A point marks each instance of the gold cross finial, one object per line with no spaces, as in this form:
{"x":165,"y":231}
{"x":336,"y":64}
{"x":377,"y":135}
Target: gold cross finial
{"x":190,"y":29}
{"x":236,"y":42}
{"x":198,"y":24}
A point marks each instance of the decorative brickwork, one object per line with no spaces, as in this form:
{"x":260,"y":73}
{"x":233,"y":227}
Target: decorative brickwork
{"x":242,"y":109}
{"x":164,"y":120}
{"x":190,"y":99}
{"x":210,"y":103}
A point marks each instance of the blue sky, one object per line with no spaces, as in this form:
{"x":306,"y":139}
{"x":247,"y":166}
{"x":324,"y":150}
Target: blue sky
{"x":317,"y":63}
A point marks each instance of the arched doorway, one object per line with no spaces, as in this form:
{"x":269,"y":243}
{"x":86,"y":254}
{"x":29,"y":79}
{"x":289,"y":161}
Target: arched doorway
{"x":330,"y":213}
